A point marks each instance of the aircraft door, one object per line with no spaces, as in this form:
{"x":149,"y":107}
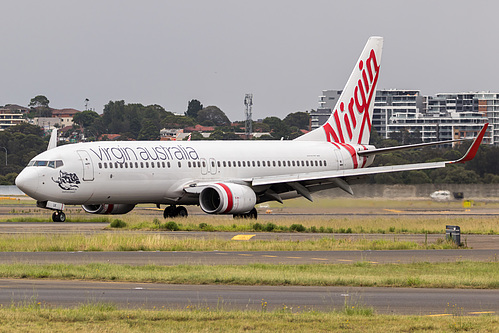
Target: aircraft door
{"x":339,"y":158}
{"x":204,"y":166}
{"x":88,"y":168}
{"x":212,"y":166}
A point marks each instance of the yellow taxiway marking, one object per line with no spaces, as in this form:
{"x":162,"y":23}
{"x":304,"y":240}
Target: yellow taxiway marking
{"x":393,"y":210}
{"x":483,"y":312}
{"x":440,"y":315}
{"x":269,"y":256}
{"x":319,"y":259}
{"x":343,"y":260}
{"x":243,"y":237}
{"x":244,"y":254}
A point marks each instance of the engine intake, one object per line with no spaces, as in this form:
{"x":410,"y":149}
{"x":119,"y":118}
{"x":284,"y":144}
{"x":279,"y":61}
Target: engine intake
{"x":222,"y":198}
{"x":108,"y":208}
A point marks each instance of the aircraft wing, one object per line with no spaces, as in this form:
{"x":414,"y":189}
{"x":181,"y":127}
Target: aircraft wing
{"x":304,"y":183}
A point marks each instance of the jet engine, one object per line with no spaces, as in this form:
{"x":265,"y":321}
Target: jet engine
{"x":108,"y":208}
{"x":226,"y":198}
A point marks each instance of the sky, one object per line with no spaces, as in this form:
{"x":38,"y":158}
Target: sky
{"x":283,"y":52}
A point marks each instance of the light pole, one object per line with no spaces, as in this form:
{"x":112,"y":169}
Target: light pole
{"x":5,"y":155}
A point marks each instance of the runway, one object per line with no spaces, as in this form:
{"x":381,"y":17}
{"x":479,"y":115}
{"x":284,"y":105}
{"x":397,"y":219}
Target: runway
{"x":417,"y":301}
{"x":248,"y":257}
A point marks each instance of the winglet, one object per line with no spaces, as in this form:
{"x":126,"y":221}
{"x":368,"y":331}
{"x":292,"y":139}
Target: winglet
{"x":470,"y":154}
{"x":53,"y":139}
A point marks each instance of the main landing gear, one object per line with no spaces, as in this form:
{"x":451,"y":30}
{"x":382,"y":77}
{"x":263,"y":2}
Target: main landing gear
{"x":252,"y":214}
{"x":174,"y":211}
{"x":58,"y":216}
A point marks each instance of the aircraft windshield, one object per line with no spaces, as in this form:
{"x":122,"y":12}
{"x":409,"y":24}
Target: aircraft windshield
{"x":51,"y":164}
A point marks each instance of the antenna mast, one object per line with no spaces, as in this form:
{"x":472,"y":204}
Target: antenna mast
{"x":248,"y":102}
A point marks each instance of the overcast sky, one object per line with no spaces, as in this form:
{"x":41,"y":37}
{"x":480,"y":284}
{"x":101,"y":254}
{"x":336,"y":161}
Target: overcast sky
{"x":284,"y":52}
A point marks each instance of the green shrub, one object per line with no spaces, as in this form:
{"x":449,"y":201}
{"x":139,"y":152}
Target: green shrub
{"x":297,"y":228}
{"x":171,"y":226}
{"x":270,"y":227}
{"x":118,"y":224}
{"x":203,"y":225}
{"x":257,"y":227}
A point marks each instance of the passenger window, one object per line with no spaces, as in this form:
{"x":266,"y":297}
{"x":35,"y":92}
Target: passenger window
{"x":218,"y":163}
{"x":320,"y":163}
{"x":239,"y":163}
{"x":110,"y":165}
{"x":168,"y":163}
{"x":159,"y":164}
{"x":152,"y":164}
{"x":131,"y":165}
{"x":273,"y":163}
{"x":180,"y":164}
{"x":253,"y":163}
{"x":224,"y":164}
{"x":279,"y":163}
{"x":163,"y":164}
{"x":121,"y":165}
{"x":244,"y":163}
{"x":136,"y":165}
{"x":142,"y":165}
{"x":212,"y":164}
{"x":126,"y":165}
{"x":289,"y":163}
{"x":263,"y":163}
{"x":228,"y":163}
{"x":325,"y":163}
{"x":199,"y":164}
{"x":147,"y":165}
{"x":189,"y":164}
{"x":105,"y":165}
{"x":306,"y":162}
{"x":258,"y":163}
{"x":293,"y":163}
{"x":100,"y":165}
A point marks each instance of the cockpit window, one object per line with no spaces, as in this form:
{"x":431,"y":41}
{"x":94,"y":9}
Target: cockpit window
{"x":51,"y":164}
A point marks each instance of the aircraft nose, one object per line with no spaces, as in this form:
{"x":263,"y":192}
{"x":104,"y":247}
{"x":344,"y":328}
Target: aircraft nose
{"x":27,"y":181}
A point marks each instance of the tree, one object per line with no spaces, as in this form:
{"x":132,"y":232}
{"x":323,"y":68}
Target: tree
{"x":298,"y":119}
{"x":193,"y":108}
{"x":85,"y":118}
{"x":212,"y":116}
{"x":149,"y":130}
{"x":39,"y":101}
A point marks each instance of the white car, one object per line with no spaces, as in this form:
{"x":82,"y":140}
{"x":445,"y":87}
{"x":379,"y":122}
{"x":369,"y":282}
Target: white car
{"x":441,"y":195}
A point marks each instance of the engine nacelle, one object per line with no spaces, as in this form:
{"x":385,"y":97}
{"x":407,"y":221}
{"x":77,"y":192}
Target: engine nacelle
{"x":226,"y":198}
{"x":108,"y":208}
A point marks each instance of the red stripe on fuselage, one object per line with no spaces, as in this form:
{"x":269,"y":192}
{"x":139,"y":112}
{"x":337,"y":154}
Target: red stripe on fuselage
{"x":230,"y":201}
{"x":353,"y":154}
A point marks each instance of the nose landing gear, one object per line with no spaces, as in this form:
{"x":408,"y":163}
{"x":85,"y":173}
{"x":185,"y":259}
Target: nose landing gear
{"x":58,"y":216}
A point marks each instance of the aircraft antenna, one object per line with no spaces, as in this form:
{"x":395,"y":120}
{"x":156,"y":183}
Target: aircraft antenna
{"x":248,"y":102}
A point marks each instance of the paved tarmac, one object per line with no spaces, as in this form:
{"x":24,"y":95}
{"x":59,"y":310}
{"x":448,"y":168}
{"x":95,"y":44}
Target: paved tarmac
{"x":248,"y":257}
{"x":417,"y":301}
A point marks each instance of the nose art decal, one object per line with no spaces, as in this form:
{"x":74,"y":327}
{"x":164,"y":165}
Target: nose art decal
{"x":67,"y":180}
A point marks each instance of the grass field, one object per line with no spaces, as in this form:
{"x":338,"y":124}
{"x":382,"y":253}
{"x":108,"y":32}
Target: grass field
{"x":123,"y":241}
{"x":362,"y":274}
{"x":34,"y":317}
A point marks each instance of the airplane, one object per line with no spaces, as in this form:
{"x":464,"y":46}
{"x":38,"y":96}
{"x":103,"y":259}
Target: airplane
{"x":222,"y":177}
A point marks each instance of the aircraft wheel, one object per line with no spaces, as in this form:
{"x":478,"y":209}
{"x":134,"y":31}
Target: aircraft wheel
{"x":181,"y":211}
{"x":58,"y":216}
{"x":169,"y":212}
{"x":253,"y":214}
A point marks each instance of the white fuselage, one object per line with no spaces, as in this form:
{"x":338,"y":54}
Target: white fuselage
{"x":158,"y":171}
